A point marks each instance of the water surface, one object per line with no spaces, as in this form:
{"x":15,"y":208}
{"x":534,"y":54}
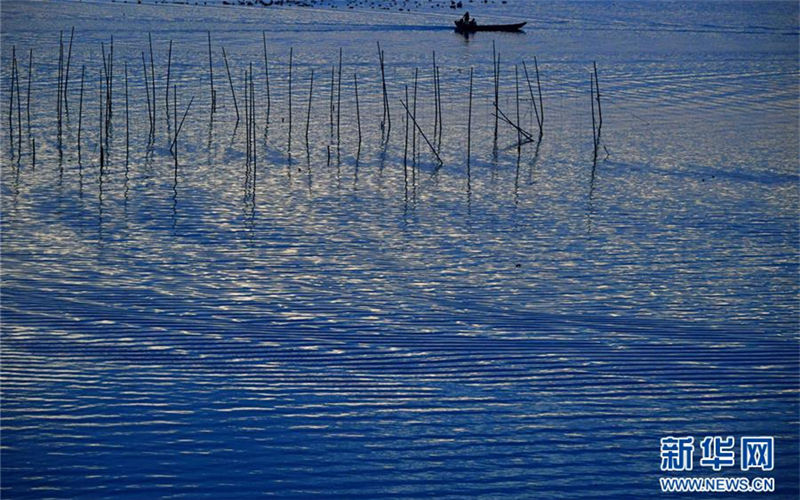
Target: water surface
{"x":337,"y":325}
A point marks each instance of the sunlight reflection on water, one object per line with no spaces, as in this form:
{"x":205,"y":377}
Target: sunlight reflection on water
{"x":335,"y":332}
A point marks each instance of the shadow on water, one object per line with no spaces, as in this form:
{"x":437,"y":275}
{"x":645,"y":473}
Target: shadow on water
{"x":534,"y":160}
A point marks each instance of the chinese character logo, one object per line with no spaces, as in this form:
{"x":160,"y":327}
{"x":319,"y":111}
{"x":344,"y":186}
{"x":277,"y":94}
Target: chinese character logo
{"x":757,"y":453}
{"x":717,"y":452}
{"x":677,"y":453}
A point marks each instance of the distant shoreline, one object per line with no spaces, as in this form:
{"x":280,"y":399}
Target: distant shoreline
{"x":386,"y":5}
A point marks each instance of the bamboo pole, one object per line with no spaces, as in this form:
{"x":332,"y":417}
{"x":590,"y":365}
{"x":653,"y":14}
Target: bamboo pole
{"x":516,"y":86}
{"x":539,"y":86}
{"x":308,"y":114}
{"x":111,"y":83}
{"x":331,"y":104}
{"x":405,"y":145}
{"x":599,"y":108}
{"x":211,"y":76}
{"x":169,"y":67}
{"x":59,"y":102}
{"x":339,"y":101}
{"x":533,"y":99}
{"x":386,"y":121}
{"x":183,"y":118}
{"x":266,"y":74}
{"x":253,"y":118}
{"x":249,"y":112}
{"x":441,"y":113}
{"x":66,"y":77}
{"x":495,"y":70}
{"x":127,"y":120}
{"x":253,"y":131}
{"x":80,"y":111}
{"x":230,"y":81}
{"x":414,"y":121}
{"x":175,"y":128}
{"x":594,"y":126}
{"x":435,"y":101}
{"x":19,"y":115}
{"x":11,"y":100}
{"x":30,"y":80}
{"x":358,"y":112}
{"x":59,"y":98}
{"x":291,"y":53}
{"x":469,"y":125}
{"x":100,"y":107}
{"x":414,"y":118}
{"x":105,"y":82}
{"x":153,"y":80}
{"x":109,"y":88}
{"x":516,"y":127}
{"x":147,"y":90}
{"x":247,"y":122}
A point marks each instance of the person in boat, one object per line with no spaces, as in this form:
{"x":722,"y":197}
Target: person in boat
{"x":466,"y":21}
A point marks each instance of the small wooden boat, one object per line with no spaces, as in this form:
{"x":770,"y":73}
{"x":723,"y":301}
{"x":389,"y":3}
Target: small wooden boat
{"x":472,"y":27}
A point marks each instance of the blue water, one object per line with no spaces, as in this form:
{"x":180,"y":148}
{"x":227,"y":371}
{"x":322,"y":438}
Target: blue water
{"x":338,"y":326}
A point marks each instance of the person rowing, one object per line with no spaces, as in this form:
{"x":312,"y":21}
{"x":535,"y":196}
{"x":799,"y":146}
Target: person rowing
{"x":467,"y":21}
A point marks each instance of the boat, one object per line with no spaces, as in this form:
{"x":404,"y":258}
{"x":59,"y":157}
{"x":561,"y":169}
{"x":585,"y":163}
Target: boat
{"x":472,"y":27}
